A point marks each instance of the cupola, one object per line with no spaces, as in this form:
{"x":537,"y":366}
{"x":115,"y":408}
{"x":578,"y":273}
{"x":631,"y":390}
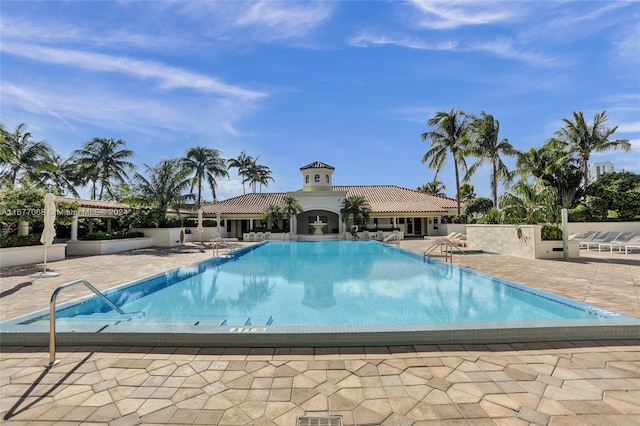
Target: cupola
{"x":317,"y":176}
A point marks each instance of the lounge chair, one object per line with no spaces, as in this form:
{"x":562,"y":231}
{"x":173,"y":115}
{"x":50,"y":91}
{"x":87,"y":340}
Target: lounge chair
{"x":634,"y":243}
{"x":601,"y":237}
{"x":583,"y":236}
{"x":619,"y":241}
{"x":451,"y":235}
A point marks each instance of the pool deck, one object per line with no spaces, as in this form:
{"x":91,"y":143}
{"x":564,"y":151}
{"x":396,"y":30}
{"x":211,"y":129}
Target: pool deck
{"x":554,"y":383}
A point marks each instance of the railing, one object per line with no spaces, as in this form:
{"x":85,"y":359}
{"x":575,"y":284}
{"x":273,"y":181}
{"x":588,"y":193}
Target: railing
{"x":448,"y":251}
{"x":52,"y":314}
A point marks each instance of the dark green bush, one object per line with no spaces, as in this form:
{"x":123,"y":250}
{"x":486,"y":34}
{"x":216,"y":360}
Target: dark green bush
{"x":116,"y":235}
{"x":551,"y":233}
{"x":19,"y":240}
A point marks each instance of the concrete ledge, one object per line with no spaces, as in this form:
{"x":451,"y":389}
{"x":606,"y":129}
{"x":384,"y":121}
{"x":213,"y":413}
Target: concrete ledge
{"x":26,"y":255}
{"x":96,"y":247}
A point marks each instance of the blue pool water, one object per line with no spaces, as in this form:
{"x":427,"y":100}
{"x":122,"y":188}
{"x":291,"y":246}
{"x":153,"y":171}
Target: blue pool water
{"x":329,"y":282}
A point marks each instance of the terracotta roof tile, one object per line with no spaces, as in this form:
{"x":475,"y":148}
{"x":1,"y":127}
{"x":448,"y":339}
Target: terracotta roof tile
{"x":382,"y":199}
{"x":317,"y":165}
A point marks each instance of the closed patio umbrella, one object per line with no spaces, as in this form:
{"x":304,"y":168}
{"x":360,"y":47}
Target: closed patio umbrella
{"x":218,"y":223}
{"x":200,"y":228}
{"x":48,"y":233}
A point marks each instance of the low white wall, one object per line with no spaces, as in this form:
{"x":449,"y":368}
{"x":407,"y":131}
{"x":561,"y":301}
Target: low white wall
{"x":447,"y":228}
{"x":96,"y":247}
{"x":516,"y":240}
{"x":164,"y":237}
{"x":16,"y":256}
{"x":209,"y":233}
{"x":579,"y":227}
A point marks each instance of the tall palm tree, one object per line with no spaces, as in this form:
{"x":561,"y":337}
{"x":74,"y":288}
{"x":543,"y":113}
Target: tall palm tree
{"x":19,"y":154}
{"x":434,"y":187}
{"x":583,"y":139}
{"x":164,"y":186}
{"x":485,"y":146}
{"x":356,"y":206}
{"x":448,"y":137}
{"x":204,"y":163}
{"x":257,"y":174}
{"x":103,"y":161}
{"x":243,"y":162}
{"x":61,"y":175}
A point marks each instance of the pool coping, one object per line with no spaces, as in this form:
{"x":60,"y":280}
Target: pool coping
{"x":209,"y":335}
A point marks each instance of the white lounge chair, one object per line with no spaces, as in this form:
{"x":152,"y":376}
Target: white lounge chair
{"x":619,"y":241}
{"x":634,"y":243}
{"x":600,"y":237}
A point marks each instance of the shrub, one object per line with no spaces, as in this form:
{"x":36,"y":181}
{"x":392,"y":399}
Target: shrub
{"x":19,"y":240}
{"x":551,"y":233}
{"x":116,"y":235}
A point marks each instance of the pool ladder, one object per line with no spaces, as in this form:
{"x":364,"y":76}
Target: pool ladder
{"x":52,"y":314}
{"x":448,"y":250}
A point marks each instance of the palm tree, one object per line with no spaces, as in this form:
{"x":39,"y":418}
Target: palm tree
{"x":448,"y":137}
{"x":291,"y":207}
{"x":103,"y":161}
{"x":530,"y":203}
{"x":20,"y":154}
{"x":485,"y":146}
{"x":434,"y":187}
{"x":555,"y":166}
{"x":257,"y":173}
{"x":584,"y":139}
{"x":61,"y":175}
{"x":356,"y":206}
{"x":204,"y":163}
{"x":272,"y":212}
{"x":163,"y":187}
{"x":243,"y":162}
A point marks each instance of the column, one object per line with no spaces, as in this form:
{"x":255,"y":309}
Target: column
{"x":74,"y":227}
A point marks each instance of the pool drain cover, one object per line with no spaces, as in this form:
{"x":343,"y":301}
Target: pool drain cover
{"x":320,"y":421}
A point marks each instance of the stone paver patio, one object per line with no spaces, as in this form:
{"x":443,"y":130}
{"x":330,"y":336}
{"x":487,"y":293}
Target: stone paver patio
{"x":554,"y":383}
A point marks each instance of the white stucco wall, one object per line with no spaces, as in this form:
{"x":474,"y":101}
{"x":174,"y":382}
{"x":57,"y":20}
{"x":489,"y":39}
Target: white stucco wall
{"x":16,"y":256}
{"x":97,"y":247}
{"x":164,"y":237}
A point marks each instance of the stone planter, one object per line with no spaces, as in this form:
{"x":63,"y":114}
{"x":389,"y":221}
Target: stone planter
{"x":517,"y":240}
{"x":16,"y":256}
{"x":96,"y":247}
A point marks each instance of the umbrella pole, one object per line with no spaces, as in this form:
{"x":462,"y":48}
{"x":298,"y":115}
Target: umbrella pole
{"x":45,"y":258}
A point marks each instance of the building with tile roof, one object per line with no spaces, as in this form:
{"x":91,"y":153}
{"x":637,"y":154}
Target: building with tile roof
{"x":392,"y":207}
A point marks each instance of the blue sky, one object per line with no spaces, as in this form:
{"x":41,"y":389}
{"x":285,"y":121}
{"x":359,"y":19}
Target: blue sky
{"x":351,"y":84}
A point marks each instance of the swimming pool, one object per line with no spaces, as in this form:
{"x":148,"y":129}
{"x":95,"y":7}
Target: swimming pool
{"x":326,"y":293}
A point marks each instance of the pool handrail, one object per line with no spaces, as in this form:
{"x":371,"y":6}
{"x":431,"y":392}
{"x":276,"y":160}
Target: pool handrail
{"x":52,"y":314}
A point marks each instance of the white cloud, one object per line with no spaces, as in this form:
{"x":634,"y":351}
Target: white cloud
{"x":167,"y":76}
{"x":506,"y":48}
{"x":629,"y":127}
{"x":441,"y":15}
{"x":284,"y":19}
{"x":367,"y":39}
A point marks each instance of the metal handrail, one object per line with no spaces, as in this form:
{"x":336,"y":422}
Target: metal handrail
{"x":52,"y":314}
{"x":448,"y":250}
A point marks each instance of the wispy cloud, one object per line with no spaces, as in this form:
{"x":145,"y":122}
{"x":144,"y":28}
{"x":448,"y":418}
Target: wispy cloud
{"x":447,"y":15}
{"x":506,"y":48}
{"x":367,"y":39}
{"x":168,"y":77}
{"x":284,"y":19}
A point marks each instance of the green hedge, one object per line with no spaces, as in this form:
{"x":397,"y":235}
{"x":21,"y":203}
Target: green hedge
{"x":551,"y":233}
{"x":19,"y":240}
{"x":116,"y":235}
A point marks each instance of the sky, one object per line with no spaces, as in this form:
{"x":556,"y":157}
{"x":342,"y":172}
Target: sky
{"x":348,"y":83}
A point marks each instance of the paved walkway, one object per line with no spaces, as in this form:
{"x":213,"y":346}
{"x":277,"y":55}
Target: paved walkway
{"x":555,"y":383}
